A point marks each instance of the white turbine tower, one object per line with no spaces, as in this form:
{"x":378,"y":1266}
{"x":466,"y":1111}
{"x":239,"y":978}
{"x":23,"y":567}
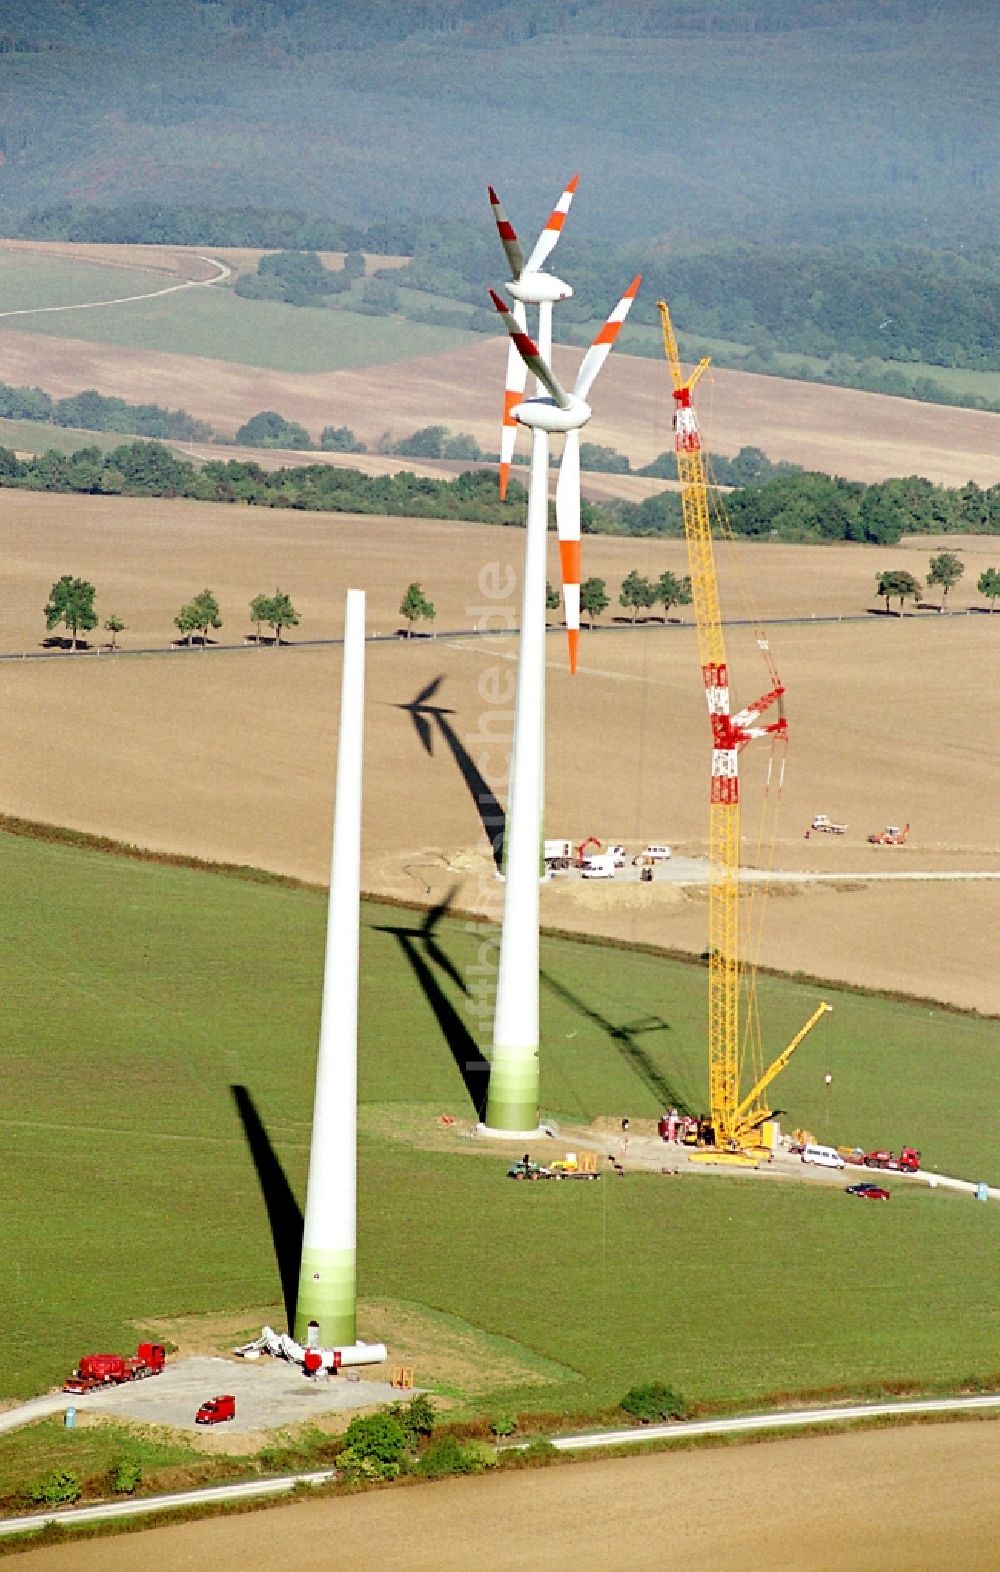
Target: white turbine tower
{"x":512,"y":1105}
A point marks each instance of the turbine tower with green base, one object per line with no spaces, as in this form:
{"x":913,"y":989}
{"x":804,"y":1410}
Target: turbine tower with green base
{"x":327,"y":1283}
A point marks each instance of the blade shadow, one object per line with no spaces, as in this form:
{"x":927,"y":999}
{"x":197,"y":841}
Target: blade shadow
{"x":284,"y":1215}
{"x":426,"y":958}
{"x":623,"y":1038}
{"x":425,"y":716}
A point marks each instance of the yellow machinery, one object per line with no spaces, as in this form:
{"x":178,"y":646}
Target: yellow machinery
{"x":735,"y":1120}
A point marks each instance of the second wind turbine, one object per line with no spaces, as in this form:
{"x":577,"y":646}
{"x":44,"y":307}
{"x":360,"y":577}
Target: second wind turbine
{"x":512,"y":1105}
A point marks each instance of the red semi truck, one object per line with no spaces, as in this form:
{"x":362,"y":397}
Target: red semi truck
{"x":908,"y":1161}
{"x":97,"y":1370}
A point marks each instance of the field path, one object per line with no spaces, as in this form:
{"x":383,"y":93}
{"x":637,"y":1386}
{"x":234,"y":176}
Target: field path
{"x":123,"y":300}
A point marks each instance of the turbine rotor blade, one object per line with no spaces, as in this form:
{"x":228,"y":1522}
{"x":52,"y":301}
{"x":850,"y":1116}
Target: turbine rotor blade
{"x":528,"y":351}
{"x":600,"y":349}
{"x":508,"y":237}
{"x":568,"y":527}
{"x":517,"y":376}
{"x":546,"y":241}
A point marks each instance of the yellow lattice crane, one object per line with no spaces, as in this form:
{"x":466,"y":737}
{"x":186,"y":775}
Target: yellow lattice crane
{"x":735,"y":1120}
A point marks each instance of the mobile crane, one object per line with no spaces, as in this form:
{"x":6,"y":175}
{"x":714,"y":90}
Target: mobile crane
{"x":735,"y":1121}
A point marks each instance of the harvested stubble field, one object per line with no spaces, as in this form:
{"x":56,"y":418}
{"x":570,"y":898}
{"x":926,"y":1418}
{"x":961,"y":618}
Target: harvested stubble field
{"x":407,"y":373}
{"x":230,"y":755}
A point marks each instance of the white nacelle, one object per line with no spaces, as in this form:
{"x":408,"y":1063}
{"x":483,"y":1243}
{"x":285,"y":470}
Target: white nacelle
{"x":539,"y":289}
{"x":545,"y":414}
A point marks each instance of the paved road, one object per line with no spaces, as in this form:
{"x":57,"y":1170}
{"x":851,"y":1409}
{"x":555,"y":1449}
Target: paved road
{"x":677,"y":1431}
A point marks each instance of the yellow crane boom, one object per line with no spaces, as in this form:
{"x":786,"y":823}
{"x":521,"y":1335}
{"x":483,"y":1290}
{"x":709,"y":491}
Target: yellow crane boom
{"x":735,"y":1121}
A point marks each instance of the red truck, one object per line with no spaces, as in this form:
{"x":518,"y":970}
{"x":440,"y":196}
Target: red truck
{"x":99,"y":1370}
{"x":908,"y":1161}
{"x":215,"y":1410}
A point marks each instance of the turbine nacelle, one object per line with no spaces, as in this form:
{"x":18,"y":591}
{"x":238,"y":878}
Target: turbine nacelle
{"x":546,"y":414}
{"x":566,"y":412}
{"x":539,"y":289}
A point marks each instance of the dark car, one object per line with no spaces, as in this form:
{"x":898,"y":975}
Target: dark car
{"x":869,"y":1192}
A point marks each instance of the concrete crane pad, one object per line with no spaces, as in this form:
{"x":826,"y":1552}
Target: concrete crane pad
{"x":269,"y":1393}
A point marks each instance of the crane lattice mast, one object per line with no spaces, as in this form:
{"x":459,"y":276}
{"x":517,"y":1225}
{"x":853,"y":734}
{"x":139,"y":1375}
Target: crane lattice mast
{"x":734,"y":1121}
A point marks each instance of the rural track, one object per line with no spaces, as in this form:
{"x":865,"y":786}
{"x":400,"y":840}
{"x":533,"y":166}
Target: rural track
{"x":676,"y":1430}
{"x":124,"y":300}
{"x":442,"y":636}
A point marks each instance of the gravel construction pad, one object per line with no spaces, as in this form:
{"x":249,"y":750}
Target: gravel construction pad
{"x":269,"y":1393}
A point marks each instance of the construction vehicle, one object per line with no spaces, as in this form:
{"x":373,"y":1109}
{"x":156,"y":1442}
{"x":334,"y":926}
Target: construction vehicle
{"x":908,"y":1161}
{"x":216,"y":1410}
{"x":99,"y":1370}
{"x":558,"y":855}
{"x":584,"y":847}
{"x":569,"y":1167}
{"x":573,"y":1167}
{"x":892,"y":835}
{"x":826,"y":826}
{"x":735,"y":1119}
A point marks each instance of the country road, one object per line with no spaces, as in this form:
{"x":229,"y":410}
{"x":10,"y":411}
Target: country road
{"x":745,"y":1424}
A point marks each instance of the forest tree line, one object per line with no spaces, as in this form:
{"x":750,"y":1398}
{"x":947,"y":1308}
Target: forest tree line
{"x":804,"y":506}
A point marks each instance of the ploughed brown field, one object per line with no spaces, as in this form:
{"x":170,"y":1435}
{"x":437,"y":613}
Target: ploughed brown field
{"x":918,"y":1499}
{"x":866,"y":436}
{"x":230,"y":754}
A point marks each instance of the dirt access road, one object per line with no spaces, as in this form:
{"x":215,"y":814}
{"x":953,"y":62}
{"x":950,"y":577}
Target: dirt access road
{"x":916,"y":1499}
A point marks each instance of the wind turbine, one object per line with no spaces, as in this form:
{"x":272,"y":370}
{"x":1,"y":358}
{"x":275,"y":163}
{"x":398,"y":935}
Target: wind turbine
{"x":529,"y":286}
{"x":568,"y":413}
{"x":512,"y":1105}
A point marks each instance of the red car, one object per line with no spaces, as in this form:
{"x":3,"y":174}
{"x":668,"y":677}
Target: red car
{"x":868,"y":1192}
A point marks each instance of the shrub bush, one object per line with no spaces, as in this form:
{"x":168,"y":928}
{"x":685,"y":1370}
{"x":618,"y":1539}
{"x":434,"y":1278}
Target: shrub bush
{"x":449,"y":1456}
{"x":55,"y":1488}
{"x":504,"y":1424}
{"x":125,"y":1476}
{"x":653,"y":1401}
{"x":379,"y":1438}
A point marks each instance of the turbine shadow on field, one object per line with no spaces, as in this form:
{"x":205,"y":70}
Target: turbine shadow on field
{"x":283,"y":1212}
{"x":427,"y":959}
{"x":623,"y":1038}
{"x":423,"y":713}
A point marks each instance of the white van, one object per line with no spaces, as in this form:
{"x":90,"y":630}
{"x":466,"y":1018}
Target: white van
{"x":602,"y":867}
{"x":652,"y":854}
{"x":822,"y":1156}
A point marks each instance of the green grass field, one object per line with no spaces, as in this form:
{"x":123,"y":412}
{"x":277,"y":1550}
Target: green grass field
{"x":37,"y":436}
{"x":138,"y":994}
{"x":217,"y":325}
{"x":29,"y":280}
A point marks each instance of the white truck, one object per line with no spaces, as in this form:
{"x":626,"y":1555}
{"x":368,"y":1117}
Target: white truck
{"x":600,"y":867}
{"x":558,"y":854}
{"x":827,"y":826}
